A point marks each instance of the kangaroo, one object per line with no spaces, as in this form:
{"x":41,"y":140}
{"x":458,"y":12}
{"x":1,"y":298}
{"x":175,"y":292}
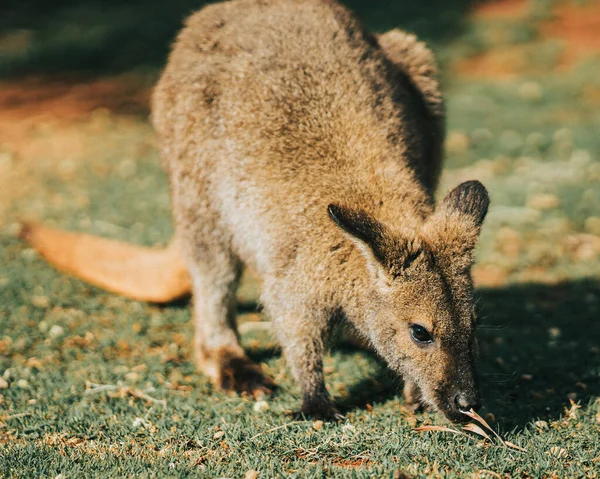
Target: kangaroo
{"x":309,"y":149}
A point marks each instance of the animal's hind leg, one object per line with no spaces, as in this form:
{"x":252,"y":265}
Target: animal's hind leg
{"x":215,"y":272}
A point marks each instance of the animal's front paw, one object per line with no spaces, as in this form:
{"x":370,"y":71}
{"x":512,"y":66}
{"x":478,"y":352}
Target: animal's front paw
{"x":240,"y":374}
{"x":320,"y":409}
{"x":413,"y":398}
{"x":417,"y":406}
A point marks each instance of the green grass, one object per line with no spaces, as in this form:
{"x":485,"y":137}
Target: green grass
{"x":539,"y":328}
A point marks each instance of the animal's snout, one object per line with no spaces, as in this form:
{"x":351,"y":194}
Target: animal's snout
{"x":465,"y":401}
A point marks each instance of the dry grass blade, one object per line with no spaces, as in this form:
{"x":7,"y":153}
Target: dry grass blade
{"x":477,"y":430}
{"x":473,"y":415}
{"x":439,"y":429}
{"x":16,"y":416}
{"x":474,"y":428}
{"x":93,"y":388}
{"x":514,"y":446}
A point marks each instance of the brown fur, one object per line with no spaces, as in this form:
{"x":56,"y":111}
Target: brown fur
{"x":300,"y":144}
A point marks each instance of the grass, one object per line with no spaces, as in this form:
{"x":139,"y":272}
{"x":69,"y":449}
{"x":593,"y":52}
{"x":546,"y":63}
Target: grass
{"x":529,"y":132}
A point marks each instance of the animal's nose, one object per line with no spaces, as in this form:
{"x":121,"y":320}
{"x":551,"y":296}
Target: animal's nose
{"x":466,"y":402}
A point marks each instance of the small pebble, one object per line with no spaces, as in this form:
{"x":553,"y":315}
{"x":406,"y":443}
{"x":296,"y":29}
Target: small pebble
{"x":591,"y":196}
{"x":349,"y":428}
{"x":563,"y":134}
{"x":592,"y":225}
{"x":127,"y":168}
{"x":29,"y":254}
{"x":138,"y":422}
{"x":511,"y":140}
{"x":6,"y":160}
{"x":67,"y":168}
{"x":580,"y":158}
{"x":535,"y":139}
{"x":120,"y":369}
{"x":23,"y":383}
{"x":593,"y":172}
{"x":457,"y":142}
{"x":531,"y":91}
{"x":3,"y":383}
{"x":132,"y":377}
{"x":56,"y":331}
{"x":40,"y":301}
{"x":251,"y":474}
{"x":219,"y":434}
{"x":317,"y":425}
{"x":554,"y":333}
{"x":261,"y":406}
{"x":543,"y":425}
{"x":543,"y":201}
{"x":481,"y":135}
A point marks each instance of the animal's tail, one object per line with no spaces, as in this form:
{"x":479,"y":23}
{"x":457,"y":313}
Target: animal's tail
{"x":144,"y":274}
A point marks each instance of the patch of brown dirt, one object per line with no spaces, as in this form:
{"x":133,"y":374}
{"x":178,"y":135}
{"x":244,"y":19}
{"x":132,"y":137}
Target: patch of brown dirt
{"x":489,"y":275}
{"x":43,"y":98}
{"x":501,"y":9}
{"x":52,"y":125}
{"x":578,"y":25}
{"x":504,"y":64}
{"x":591,"y":93}
{"x":345,"y":463}
{"x":352,"y":463}
{"x":33,"y":105}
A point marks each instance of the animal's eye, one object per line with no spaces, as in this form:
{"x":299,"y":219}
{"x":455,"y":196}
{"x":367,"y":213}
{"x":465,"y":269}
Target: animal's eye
{"x":420,"y":335}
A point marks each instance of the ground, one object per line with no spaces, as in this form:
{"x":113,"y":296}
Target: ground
{"x":97,"y":385}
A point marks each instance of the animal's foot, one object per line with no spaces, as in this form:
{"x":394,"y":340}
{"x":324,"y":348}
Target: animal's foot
{"x":320,"y":410}
{"x":417,"y":406}
{"x":413,"y":398}
{"x":233,"y":371}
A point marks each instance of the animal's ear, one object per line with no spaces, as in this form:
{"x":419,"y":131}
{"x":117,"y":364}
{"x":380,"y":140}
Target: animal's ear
{"x":453,"y":230}
{"x":468,"y":200}
{"x":387,"y":255}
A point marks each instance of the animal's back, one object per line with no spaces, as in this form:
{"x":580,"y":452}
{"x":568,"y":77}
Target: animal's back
{"x":279,"y":107}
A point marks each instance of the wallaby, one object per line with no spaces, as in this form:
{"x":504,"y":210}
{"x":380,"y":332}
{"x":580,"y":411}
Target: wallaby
{"x":309,"y":149}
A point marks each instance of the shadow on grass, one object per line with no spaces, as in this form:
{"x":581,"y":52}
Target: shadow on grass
{"x":539,"y":347}
{"x":93,"y":36}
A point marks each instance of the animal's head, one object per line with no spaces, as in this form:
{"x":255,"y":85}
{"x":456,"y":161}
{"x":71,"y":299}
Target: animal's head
{"x":421,"y":315}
